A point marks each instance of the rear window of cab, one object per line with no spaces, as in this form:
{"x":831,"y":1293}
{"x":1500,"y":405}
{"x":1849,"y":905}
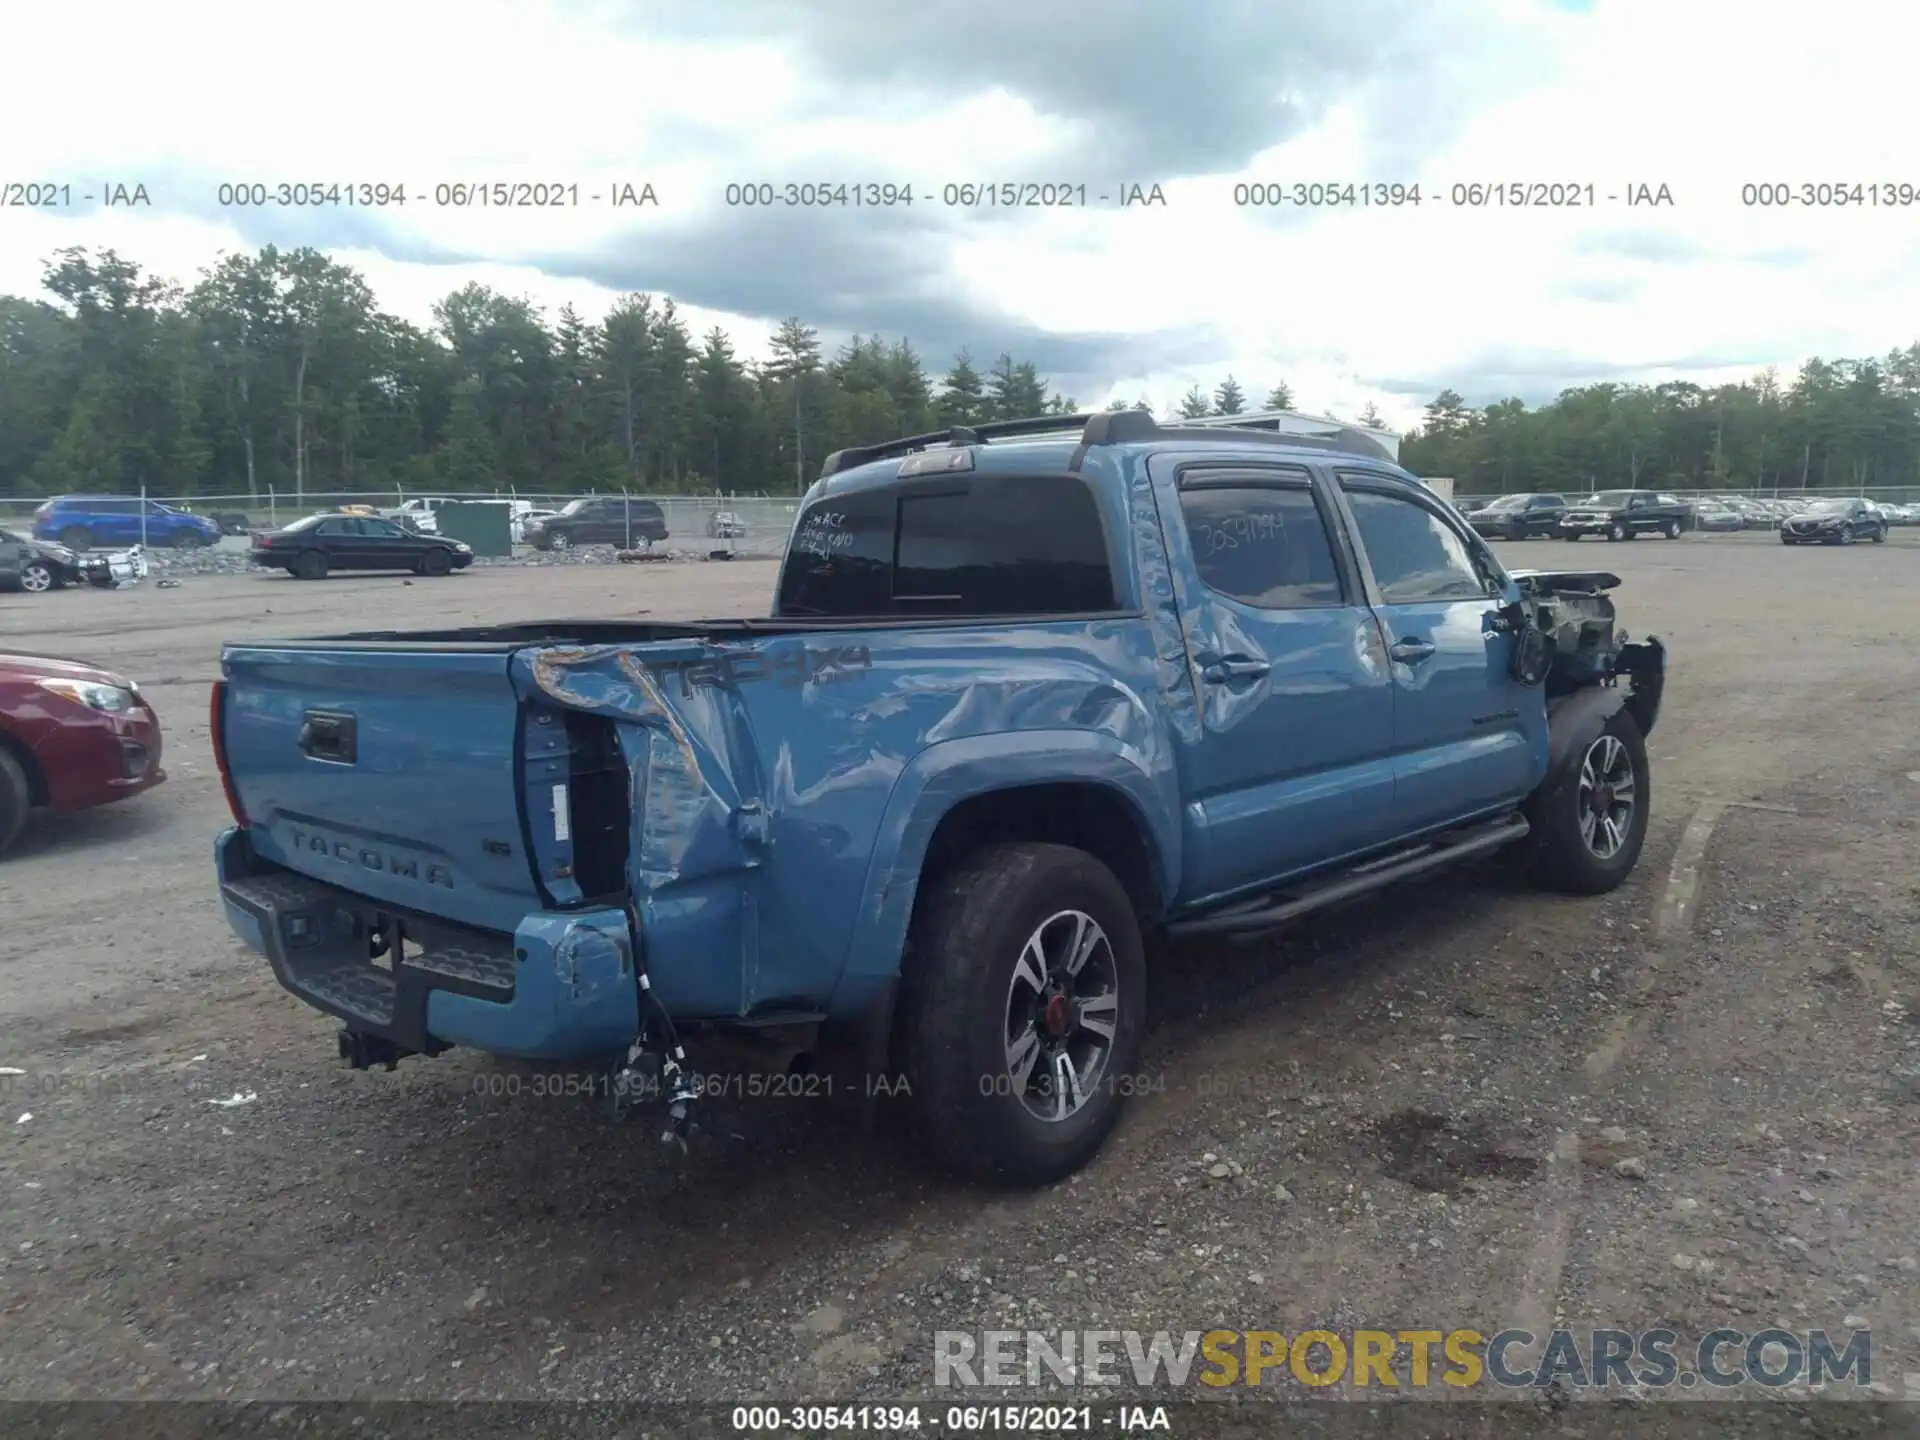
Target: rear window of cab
{"x":952,"y":545}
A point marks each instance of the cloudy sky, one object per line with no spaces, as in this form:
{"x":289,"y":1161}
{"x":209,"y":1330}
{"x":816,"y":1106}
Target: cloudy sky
{"x":1703,"y":97}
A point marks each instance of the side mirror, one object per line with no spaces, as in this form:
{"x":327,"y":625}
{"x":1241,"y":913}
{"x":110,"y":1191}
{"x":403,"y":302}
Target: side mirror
{"x":1532,"y":654}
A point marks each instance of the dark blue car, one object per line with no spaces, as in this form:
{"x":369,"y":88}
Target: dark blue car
{"x":80,"y":522}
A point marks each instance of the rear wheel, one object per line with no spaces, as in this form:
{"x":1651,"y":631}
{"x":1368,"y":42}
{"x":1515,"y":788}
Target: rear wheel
{"x":1022,"y":1012}
{"x":1671,"y":529}
{"x":311,"y":565}
{"x":436,"y":562}
{"x":1589,"y":827}
{"x":1880,"y":535}
{"x":16,"y":798}
{"x":37,"y":577}
{"x":77,"y":537}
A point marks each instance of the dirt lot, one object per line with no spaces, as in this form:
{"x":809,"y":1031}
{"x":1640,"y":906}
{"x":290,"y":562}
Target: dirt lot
{"x":1422,"y":1106}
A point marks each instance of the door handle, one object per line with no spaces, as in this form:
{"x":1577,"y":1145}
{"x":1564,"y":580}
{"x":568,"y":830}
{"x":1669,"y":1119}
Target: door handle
{"x":1237,"y":668}
{"x":1412,"y":652}
{"x":329,"y":736}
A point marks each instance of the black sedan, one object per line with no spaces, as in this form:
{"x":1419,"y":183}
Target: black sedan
{"x":1834,"y":522}
{"x":312,"y":547}
{"x":1519,"y":517}
{"x":37,"y":566}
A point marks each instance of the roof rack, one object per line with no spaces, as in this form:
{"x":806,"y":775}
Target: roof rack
{"x":1120,"y":427}
{"x":956,"y":435}
{"x":1106,"y":427}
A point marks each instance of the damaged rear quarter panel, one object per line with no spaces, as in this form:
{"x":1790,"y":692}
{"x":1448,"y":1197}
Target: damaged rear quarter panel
{"x":783,"y":788}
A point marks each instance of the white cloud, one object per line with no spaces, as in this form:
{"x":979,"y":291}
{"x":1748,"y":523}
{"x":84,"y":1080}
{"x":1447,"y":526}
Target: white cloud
{"x":1702,"y":98}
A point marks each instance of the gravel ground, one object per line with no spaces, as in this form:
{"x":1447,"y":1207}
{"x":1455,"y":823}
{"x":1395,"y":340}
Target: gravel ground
{"x":1693,"y":1102}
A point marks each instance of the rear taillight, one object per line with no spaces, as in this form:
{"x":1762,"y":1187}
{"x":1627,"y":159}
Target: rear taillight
{"x":216,"y":731}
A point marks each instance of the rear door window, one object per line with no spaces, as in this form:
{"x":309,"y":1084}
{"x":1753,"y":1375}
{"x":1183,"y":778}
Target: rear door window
{"x":952,"y":545}
{"x":1261,"y":543}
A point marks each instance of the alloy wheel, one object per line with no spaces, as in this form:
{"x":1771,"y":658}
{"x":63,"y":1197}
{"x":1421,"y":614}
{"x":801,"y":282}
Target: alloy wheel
{"x":1606,"y":797}
{"x":36,"y":579}
{"x":1063,"y":1008}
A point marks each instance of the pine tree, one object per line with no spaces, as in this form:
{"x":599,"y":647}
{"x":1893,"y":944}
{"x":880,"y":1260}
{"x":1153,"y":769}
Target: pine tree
{"x":1194,"y":405}
{"x":1228,"y":399}
{"x":1279,"y":398}
{"x":962,"y":395}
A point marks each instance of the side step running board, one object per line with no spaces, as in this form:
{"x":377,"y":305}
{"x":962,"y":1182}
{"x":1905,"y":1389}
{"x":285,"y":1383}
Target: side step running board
{"x":1346,"y":884}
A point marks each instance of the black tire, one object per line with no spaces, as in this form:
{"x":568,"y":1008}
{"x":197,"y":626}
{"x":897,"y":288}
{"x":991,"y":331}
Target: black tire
{"x":1618,"y":531}
{"x":1880,"y":536}
{"x":1847,"y":537}
{"x":37,"y":577}
{"x":1786,"y":539}
{"x":962,"y":988}
{"x":1671,"y":530}
{"x":436,"y":562}
{"x":558,"y":540}
{"x":311,"y":565}
{"x":1571,"y":535}
{"x":77,"y":537}
{"x":1563,"y":859}
{"x":16,"y":798}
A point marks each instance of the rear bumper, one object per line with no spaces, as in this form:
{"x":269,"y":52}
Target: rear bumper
{"x":560,"y":988}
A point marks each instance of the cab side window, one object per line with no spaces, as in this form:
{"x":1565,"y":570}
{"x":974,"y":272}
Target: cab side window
{"x":1414,"y":554}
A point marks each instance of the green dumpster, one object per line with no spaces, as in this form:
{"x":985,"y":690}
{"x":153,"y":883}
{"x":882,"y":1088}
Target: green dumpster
{"x":483,"y":524}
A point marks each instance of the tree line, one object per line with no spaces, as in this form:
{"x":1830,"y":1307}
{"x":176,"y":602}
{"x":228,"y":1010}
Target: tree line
{"x":278,"y":371}
{"x":1837,"y":424}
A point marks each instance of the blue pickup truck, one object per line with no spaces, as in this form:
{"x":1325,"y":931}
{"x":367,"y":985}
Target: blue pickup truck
{"x":1031,"y":696}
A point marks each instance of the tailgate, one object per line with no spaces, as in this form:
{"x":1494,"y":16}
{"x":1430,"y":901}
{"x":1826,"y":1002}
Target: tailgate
{"x":394,"y":773}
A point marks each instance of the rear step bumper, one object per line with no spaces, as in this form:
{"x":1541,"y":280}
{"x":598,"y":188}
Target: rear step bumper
{"x":560,"y":988}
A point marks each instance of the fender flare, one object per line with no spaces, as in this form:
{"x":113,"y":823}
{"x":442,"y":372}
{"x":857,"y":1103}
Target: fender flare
{"x":942,"y":776}
{"x":1573,"y":723}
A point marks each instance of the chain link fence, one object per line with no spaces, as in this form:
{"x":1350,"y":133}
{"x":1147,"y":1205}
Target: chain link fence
{"x":755,"y":525}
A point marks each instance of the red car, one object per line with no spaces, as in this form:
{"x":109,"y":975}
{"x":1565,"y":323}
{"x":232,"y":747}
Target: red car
{"x":72,"y":736}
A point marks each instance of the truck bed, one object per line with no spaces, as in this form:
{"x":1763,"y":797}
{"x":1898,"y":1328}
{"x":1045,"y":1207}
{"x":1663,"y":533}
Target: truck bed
{"x":735,"y":780}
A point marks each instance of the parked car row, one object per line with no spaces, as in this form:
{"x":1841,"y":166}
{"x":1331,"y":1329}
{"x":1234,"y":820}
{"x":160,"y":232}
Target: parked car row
{"x":1624,"y":514}
{"x":1617,"y":514}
